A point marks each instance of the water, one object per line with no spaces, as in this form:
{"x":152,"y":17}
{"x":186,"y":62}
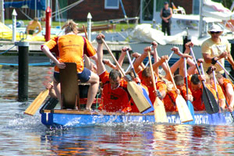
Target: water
{"x":25,"y":135}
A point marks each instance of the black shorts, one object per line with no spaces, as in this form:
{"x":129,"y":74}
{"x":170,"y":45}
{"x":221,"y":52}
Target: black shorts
{"x":31,"y":32}
{"x":84,"y":76}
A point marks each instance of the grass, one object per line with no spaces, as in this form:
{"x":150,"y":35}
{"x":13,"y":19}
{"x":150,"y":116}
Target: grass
{"x":119,"y":26}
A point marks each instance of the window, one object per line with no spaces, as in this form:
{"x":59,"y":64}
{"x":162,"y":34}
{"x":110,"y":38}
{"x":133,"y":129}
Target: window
{"x":111,"y":4}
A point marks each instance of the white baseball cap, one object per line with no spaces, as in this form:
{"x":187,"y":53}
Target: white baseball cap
{"x":215,"y":28}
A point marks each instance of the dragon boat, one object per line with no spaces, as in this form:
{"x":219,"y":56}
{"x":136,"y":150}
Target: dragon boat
{"x":77,"y":118}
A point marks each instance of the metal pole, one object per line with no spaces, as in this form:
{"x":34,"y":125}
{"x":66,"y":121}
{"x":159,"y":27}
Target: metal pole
{"x":89,"y":25}
{"x":201,"y":19}
{"x":35,"y":8}
{"x":2,"y":11}
{"x":14,"y":14}
{"x":23,"y":49}
{"x":48,"y":23}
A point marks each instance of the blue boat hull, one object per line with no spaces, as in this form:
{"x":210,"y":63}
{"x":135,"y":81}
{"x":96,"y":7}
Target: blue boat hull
{"x":72,"y":118}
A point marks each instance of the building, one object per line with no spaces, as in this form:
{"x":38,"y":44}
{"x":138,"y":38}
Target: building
{"x":146,"y":10}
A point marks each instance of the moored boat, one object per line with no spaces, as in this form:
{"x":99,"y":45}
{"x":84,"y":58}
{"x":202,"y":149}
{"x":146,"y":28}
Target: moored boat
{"x":75,"y":118}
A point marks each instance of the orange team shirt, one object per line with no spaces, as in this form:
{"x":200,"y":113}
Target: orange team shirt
{"x":198,"y":103}
{"x":53,"y":46}
{"x":160,"y":85}
{"x":183,"y":91}
{"x":220,"y":91}
{"x":225,"y":83}
{"x":114,"y":100}
{"x":170,"y":101}
{"x":71,"y":49}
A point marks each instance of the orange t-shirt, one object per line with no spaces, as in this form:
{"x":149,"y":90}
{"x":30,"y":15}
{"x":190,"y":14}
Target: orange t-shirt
{"x":160,"y":85}
{"x":225,"y":83}
{"x":53,"y":46}
{"x":71,"y":49}
{"x":197,"y":97}
{"x":183,"y":91}
{"x":114,"y":100}
{"x":170,"y":101}
{"x":220,"y":91}
{"x":198,"y":103}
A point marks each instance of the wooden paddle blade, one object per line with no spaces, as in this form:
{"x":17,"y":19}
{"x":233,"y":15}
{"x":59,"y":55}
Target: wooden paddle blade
{"x":69,"y":86}
{"x":159,"y":111}
{"x":31,"y":110}
{"x":185,"y":115}
{"x":209,"y":101}
{"x":138,"y":97}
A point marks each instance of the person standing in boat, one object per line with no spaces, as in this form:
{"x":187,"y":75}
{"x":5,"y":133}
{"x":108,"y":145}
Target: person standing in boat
{"x":32,"y":26}
{"x":166,"y":14}
{"x":115,"y":96}
{"x":72,"y":48}
{"x":216,"y":49}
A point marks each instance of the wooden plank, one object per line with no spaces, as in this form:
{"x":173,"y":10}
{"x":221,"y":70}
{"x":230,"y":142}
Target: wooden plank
{"x":69,"y":86}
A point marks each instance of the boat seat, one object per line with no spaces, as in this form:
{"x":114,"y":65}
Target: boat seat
{"x":69,"y":87}
{"x":100,"y":27}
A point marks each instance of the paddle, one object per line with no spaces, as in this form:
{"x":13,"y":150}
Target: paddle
{"x":190,"y":105}
{"x":143,"y":89}
{"x":86,"y":36}
{"x":159,"y":109}
{"x":207,"y":97}
{"x":217,"y":94}
{"x":130,"y":65}
{"x":31,"y":110}
{"x":184,"y":113}
{"x":225,"y":70}
{"x":134,"y":90}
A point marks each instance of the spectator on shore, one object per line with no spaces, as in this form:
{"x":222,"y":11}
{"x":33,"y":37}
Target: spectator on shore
{"x":33,"y":26}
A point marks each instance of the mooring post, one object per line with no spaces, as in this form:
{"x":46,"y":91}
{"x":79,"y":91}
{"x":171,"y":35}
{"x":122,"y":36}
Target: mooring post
{"x":89,"y":25}
{"x":23,"y":49}
{"x":14,"y":14}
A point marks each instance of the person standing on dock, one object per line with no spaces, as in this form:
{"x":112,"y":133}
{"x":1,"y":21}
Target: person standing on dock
{"x":72,"y":48}
{"x":32,"y":26}
{"x":216,"y":49}
{"x":166,"y":14}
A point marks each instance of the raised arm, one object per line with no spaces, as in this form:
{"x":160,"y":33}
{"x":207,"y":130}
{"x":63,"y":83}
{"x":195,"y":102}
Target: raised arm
{"x":140,"y":59}
{"x":100,"y":66}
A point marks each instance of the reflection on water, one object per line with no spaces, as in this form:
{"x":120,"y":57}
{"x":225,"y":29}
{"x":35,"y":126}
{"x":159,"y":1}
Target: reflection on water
{"x":143,"y":139}
{"x":38,"y":77}
{"x":24,"y":135}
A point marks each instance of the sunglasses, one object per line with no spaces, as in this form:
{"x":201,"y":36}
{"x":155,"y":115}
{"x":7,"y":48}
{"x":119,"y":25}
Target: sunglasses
{"x":215,"y":32}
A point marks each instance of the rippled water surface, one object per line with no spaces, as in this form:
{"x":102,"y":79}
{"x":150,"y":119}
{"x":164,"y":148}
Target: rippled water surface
{"x":25,"y":135}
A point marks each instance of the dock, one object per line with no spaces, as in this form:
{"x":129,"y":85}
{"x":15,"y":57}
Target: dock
{"x":9,"y":52}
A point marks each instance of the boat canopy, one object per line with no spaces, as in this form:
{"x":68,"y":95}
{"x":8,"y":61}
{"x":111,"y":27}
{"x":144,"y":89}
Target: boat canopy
{"x":40,"y":5}
{"x":216,"y":10}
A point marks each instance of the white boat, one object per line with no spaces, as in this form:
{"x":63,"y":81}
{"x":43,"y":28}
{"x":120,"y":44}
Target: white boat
{"x":194,"y":27}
